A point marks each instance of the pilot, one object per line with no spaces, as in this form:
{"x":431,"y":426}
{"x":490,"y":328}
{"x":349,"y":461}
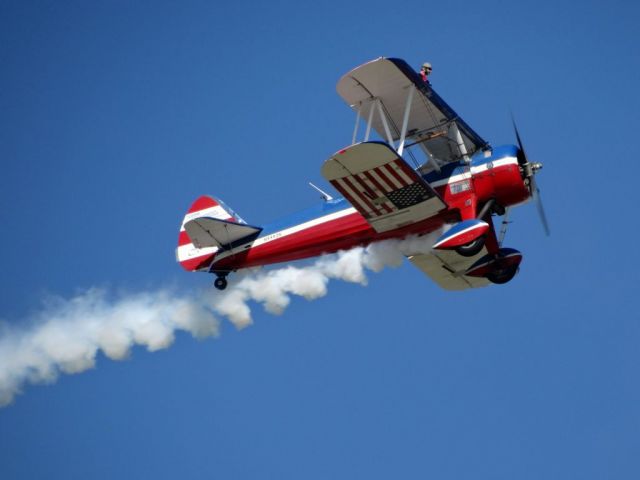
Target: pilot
{"x":425,"y":71}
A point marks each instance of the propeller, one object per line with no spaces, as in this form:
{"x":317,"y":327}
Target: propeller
{"x":535,"y":192}
{"x":530,"y":169}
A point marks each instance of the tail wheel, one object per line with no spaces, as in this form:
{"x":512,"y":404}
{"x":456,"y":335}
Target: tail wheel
{"x":220,"y":283}
{"x":501,"y":276}
{"x":471,"y":248}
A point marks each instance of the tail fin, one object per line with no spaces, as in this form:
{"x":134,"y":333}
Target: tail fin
{"x":188,"y":255}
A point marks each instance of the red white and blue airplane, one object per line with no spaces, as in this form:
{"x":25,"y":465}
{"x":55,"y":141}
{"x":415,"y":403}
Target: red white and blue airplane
{"x":458,"y":183}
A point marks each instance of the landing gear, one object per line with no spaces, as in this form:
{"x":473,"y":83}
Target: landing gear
{"x":498,"y":268}
{"x":471,"y":248}
{"x":502,"y":275}
{"x":220,"y":283}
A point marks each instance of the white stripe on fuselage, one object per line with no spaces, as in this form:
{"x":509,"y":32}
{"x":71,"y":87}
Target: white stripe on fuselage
{"x":189,"y":251}
{"x":290,"y":231}
{"x":348,"y":211}
{"x":461,"y":232}
{"x":474,"y":170}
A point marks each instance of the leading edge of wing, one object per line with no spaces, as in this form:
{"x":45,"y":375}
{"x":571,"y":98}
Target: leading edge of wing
{"x":446,"y":268}
{"x":437,"y":100}
{"x":425,"y":89}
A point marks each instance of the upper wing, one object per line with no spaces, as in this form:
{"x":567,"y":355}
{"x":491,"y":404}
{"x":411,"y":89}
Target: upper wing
{"x":431,"y":123}
{"x":381,"y":186}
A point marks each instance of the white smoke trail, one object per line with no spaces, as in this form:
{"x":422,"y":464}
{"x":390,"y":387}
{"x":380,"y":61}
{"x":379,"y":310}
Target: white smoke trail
{"x":66,"y":335}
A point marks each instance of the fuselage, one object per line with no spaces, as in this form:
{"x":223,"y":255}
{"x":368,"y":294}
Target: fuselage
{"x":335,"y":225}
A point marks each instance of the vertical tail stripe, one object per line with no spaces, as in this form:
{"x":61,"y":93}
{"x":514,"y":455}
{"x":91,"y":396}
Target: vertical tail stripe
{"x":183,"y":238}
{"x":203,"y":202}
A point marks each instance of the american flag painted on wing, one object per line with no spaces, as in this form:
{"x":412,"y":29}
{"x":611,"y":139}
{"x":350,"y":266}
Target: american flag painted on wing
{"x":383,"y":190}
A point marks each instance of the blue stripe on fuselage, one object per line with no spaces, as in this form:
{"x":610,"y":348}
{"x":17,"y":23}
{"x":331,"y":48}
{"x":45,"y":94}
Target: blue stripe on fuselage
{"x":497,"y":153}
{"x":458,"y":168}
{"x":337,"y":204}
{"x":311,"y":213}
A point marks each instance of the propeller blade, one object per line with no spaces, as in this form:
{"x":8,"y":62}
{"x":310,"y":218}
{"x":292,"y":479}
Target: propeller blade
{"x":522,"y":160}
{"x":533,"y":186}
{"x":535,"y":191}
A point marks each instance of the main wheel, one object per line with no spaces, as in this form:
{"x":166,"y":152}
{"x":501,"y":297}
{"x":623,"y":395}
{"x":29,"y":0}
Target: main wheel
{"x":471,"y":248}
{"x":502,"y":275}
{"x":220,"y":283}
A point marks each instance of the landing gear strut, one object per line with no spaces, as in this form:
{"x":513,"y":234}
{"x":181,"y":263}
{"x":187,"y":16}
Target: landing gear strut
{"x":220,"y":283}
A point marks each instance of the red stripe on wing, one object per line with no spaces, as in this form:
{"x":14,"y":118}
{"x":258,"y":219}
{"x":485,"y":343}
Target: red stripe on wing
{"x":351,"y":200}
{"x":410,"y":172}
{"x":364,"y":186}
{"x":382,"y":180}
{"x":395,"y":174}
{"x":372,"y":194}
{"x":361,"y":196}
{"x":390,"y":207}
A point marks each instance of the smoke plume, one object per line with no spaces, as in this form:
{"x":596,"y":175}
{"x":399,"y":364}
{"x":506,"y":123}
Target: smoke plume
{"x":65,"y":336}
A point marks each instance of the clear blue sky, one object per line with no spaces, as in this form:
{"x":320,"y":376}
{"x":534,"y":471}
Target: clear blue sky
{"x":114,"y":116}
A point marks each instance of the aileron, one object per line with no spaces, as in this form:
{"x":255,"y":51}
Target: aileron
{"x":447,"y":269}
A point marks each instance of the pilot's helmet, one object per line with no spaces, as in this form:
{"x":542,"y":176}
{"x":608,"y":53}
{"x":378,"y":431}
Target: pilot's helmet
{"x":427,"y":66}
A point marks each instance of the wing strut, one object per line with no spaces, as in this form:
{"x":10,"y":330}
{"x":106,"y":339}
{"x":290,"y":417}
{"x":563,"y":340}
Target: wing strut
{"x":366,"y":136}
{"x":355,"y":129}
{"x":431,"y":123}
{"x":405,"y":120}
{"x":462,"y":148}
{"x":376,"y":104}
{"x":383,"y":117}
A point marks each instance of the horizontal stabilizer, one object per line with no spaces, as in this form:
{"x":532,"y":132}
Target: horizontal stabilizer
{"x":213,"y":232}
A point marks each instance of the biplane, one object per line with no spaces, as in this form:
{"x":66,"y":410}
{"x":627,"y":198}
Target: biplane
{"x":426,"y":171}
